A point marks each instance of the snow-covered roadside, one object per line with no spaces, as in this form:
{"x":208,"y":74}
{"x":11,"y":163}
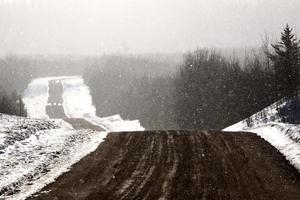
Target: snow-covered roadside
{"x":14,"y":129}
{"x":35,"y":98}
{"x":284,"y":137}
{"x":267,"y":115}
{"x":38,"y":152}
{"x":77,"y":98}
{"x":115,"y":123}
{"x":68,"y":146}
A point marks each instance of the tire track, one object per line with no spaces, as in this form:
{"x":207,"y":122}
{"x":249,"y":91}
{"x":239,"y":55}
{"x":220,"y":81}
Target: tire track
{"x":179,"y":165}
{"x":172,"y":158}
{"x":136,"y":176}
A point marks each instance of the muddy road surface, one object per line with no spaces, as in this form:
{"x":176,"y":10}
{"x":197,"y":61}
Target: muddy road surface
{"x":185,"y":165}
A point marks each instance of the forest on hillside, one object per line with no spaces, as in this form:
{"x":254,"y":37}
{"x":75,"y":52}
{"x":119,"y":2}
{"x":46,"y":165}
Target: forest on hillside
{"x":207,"y":90}
{"x":15,"y":75}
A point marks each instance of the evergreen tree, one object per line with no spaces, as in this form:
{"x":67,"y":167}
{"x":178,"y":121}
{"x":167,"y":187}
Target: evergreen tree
{"x":286,"y":62}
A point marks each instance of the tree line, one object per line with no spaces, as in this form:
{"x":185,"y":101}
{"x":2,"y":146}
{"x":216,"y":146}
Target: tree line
{"x":207,"y":91}
{"x":15,"y":75}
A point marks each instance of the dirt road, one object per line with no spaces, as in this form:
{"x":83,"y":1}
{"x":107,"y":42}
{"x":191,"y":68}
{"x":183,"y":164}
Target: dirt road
{"x":161,"y":165}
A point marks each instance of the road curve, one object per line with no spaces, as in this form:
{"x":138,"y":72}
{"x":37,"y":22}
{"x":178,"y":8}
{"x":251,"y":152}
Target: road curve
{"x":162,"y":165}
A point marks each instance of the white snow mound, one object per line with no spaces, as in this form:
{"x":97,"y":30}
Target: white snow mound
{"x":266,"y":124}
{"x":35,"y":152}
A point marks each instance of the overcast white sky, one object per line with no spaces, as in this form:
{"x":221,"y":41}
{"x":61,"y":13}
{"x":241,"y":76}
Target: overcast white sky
{"x":139,"y":26}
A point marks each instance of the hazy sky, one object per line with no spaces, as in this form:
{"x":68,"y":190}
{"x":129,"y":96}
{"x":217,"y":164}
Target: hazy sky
{"x":139,"y":26}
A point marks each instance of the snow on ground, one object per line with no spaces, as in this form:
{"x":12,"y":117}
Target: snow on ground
{"x":115,"y":123}
{"x":35,"y":98}
{"x":35,"y":152}
{"x":77,"y":98}
{"x":267,"y":125}
{"x":13,"y":129}
{"x":269,"y":114}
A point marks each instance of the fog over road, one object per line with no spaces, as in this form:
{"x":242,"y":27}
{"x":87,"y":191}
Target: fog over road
{"x":55,"y":109}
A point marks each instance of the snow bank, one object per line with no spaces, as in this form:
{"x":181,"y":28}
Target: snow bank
{"x":266,"y":124}
{"x":35,"y":152}
{"x":115,"y":124}
{"x":269,"y":114}
{"x":35,"y":98}
{"x":77,"y":98}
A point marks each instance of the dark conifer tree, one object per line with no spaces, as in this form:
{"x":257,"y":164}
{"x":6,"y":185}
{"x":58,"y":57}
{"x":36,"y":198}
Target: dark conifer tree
{"x":286,"y":62}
